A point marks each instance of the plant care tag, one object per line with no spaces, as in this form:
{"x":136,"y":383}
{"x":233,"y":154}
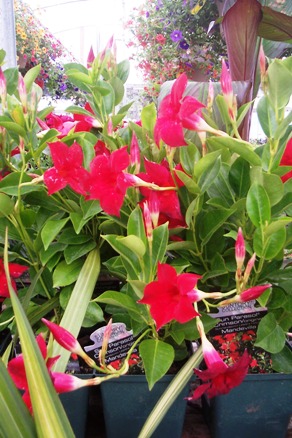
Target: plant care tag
{"x":236,"y":332}
{"x":238,"y":317}
{"x":120,"y":342}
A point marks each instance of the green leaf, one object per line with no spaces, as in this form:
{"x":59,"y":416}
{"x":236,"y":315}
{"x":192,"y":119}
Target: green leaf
{"x":188,"y":182}
{"x":93,"y":315}
{"x":130,"y":259}
{"x":65,"y":274}
{"x":148,"y":117}
{"x":240,"y":147}
{"x":157,"y":358}
{"x":123,"y":70}
{"x":205,"y":163}
{"x":31,"y":76}
{"x":239,"y":177}
{"x":258,"y":206}
{"x":15,"y":419}
{"x":74,"y":252}
{"x":270,"y":336}
{"x":51,"y":229}
{"x":267,"y":117}
{"x":280,"y":84}
{"x":6,"y":205}
{"x":159,"y":244}
{"x":121,"y":300}
{"x":134,"y":243}
{"x":212,"y":222}
{"x":282,"y":362}
{"x":12,"y":126}
{"x":274,"y":243}
{"x":135,"y":225}
{"x":118,"y":88}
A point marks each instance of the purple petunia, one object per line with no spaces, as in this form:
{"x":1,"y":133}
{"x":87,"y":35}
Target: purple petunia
{"x":184,"y":45}
{"x":176,"y":35}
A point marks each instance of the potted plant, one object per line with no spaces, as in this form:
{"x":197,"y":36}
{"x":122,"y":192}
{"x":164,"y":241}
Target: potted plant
{"x":170,"y":213}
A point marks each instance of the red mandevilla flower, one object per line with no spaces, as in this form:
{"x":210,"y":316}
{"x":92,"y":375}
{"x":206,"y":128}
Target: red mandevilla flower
{"x":219,"y":378}
{"x":286,"y":160}
{"x":167,"y":201}
{"x":171,"y":296}
{"x":176,"y":113}
{"x":107,"y":181}
{"x":15,"y":271}
{"x":67,"y":170}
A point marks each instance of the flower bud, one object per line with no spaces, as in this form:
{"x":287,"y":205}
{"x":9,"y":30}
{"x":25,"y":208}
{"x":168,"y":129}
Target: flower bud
{"x":64,"y":338}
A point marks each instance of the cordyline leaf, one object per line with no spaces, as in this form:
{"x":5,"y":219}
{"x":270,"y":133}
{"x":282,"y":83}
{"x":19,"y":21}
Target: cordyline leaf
{"x":15,"y":419}
{"x":275,"y":25}
{"x":49,"y":415}
{"x":240,"y":26}
{"x":77,"y":306}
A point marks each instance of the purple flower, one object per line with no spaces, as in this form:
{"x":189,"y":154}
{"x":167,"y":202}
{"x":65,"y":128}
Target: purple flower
{"x":184,"y":45}
{"x":176,"y":35}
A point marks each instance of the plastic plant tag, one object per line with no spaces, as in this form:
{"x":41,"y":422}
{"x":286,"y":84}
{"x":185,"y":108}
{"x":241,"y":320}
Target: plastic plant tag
{"x":236,"y":332}
{"x":120,"y":342}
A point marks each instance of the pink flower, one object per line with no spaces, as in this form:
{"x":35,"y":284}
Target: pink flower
{"x":175,"y":113}
{"x":15,"y":271}
{"x":286,"y":160}
{"x":67,"y":170}
{"x":218,"y":378}
{"x":107,"y":181}
{"x":171,"y":296}
{"x":62,"y":382}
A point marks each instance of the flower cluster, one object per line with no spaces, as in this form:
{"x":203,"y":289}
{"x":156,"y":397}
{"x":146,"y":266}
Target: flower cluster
{"x":36,"y":45}
{"x":188,"y":215}
{"x":169,"y":38}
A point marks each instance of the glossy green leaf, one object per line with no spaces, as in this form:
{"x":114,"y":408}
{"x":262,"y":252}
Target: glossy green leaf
{"x":135,"y":225}
{"x":31,"y":76}
{"x":274,"y":243}
{"x":75,"y":252}
{"x":93,"y":315}
{"x":282,"y":362}
{"x":6,"y":205}
{"x":239,"y":177}
{"x":270,"y":336}
{"x":267,"y":117}
{"x":130,"y":260}
{"x":280,"y":84}
{"x":51,"y":229}
{"x":65,"y":274}
{"x":258,"y":206}
{"x":157,"y":358}
{"x":121,"y":300}
{"x":240,"y":147}
{"x":213,"y":220}
{"x":118,"y":88}
{"x":274,"y":187}
{"x":148,"y":117}
{"x":133,"y":243}
{"x":123,"y":70}
{"x":159,"y":244}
